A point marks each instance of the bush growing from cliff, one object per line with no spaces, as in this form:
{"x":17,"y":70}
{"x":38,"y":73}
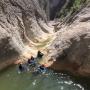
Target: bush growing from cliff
{"x":71,"y":7}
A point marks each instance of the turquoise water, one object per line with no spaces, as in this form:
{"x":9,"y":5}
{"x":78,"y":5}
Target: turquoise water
{"x":11,"y":80}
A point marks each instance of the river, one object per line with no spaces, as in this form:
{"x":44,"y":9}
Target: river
{"x":11,"y":80}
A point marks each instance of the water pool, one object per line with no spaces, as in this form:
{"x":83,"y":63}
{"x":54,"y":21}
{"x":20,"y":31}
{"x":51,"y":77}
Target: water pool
{"x":11,"y":80}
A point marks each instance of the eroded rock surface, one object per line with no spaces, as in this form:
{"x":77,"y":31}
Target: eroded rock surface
{"x":24,"y":25}
{"x":71,"y":48}
{"x":19,"y":26}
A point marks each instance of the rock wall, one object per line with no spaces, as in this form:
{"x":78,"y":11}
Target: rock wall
{"x":70,"y":50}
{"x":19,"y":26}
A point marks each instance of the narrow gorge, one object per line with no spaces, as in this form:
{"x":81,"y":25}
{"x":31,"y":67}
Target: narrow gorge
{"x":60,"y":29}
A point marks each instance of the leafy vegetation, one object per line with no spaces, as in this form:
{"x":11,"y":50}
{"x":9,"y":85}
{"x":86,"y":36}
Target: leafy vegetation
{"x":71,"y":7}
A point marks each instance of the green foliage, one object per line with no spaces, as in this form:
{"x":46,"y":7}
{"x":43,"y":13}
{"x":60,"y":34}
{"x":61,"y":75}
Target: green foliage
{"x":72,"y":6}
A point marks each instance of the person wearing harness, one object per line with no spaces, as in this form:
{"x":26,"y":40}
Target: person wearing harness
{"x":39,"y":54}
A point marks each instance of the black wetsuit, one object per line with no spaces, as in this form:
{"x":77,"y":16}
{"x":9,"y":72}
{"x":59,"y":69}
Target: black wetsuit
{"x":42,"y":67}
{"x":21,"y":68}
{"x":39,"y":55}
{"x":31,"y":62}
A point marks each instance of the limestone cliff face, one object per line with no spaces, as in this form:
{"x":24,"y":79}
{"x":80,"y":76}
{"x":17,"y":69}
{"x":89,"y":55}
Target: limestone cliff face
{"x":71,"y":48}
{"x":24,"y":23}
{"x":19,"y":26}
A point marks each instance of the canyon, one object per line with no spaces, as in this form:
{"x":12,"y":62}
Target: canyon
{"x":27,"y":26}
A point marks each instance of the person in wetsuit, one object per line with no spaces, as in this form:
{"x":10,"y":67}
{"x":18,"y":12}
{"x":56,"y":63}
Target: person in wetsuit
{"x":42,"y":69}
{"x":31,"y":61}
{"x":21,"y":68}
{"x":39,"y":54}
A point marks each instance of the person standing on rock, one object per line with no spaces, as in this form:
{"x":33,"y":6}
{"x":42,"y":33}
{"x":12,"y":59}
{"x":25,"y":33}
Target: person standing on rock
{"x":39,"y":54}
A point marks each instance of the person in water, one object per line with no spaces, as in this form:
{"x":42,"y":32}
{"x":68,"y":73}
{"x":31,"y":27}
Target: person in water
{"x":39,"y":54}
{"x":31,"y":61}
{"x":42,"y":69}
{"x":21,"y":68}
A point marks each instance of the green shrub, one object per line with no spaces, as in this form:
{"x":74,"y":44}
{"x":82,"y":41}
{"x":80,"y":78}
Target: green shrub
{"x":73,"y":6}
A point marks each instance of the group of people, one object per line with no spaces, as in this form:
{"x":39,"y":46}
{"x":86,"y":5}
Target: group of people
{"x":32,"y":62}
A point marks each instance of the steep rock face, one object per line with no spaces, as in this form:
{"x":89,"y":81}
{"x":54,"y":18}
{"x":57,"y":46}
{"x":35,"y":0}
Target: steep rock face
{"x":71,"y":48}
{"x":19,"y":26}
{"x":44,"y":4}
